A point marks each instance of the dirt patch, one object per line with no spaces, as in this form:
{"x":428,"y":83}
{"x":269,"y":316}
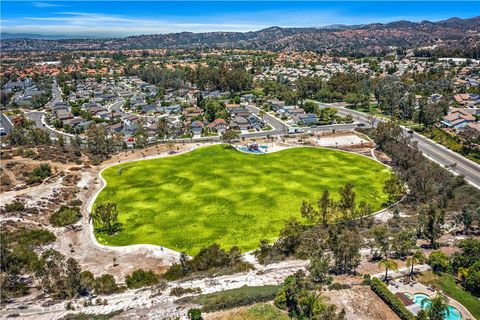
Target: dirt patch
{"x":360,"y":303}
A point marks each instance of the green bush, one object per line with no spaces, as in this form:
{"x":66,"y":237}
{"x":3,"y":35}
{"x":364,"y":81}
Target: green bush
{"x":39,"y":173}
{"x":75,"y":203}
{"x":105,"y":284}
{"x":28,"y":237}
{"x":439,"y":261}
{"x":212,"y":259}
{"x":472,"y":279}
{"x":194,"y":314}
{"x":179,"y":291}
{"x":141,"y":278}
{"x":339,"y":286}
{"x":14,"y":206}
{"x":65,"y":216}
{"x":228,"y":299}
{"x":390,"y":299}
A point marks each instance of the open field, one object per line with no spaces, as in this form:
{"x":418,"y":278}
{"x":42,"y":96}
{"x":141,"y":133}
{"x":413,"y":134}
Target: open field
{"x":217,"y":194}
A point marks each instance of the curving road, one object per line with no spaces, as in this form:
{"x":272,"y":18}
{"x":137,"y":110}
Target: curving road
{"x":432,"y":150}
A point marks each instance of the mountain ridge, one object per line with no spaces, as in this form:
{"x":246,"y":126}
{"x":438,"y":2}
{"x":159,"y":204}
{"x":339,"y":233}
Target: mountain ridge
{"x":363,"y":38}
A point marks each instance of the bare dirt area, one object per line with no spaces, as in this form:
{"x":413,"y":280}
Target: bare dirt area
{"x":69,"y":182}
{"x":360,"y":303}
{"x":341,"y":140}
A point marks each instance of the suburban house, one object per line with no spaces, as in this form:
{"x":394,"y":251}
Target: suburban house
{"x":240,"y":123}
{"x":255,"y":121}
{"x":467,"y":99}
{"x":474,"y":125}
{"x":130,"y":120}
{"x":197,"y":127}
{"x":63,"y":115}
{"x":308,"y":119}
{"x":129,"y":130}
{"x":458,"y":119}
{"x":276,"y":105}
{"x":218,"y":125}
{"x":236,"y":110}
{"x":192,"y":112}
{"x":149,"y":108}
{"x":175,"y":108}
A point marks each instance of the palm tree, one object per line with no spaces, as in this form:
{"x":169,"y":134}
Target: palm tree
{"x":438,"y":308}
{"x":418,"y":257}
{"x":388,"y":264}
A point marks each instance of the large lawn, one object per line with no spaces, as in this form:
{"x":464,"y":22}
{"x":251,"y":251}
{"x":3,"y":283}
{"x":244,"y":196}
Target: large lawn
{"x":447,"y":284}
{"x":217,"y":194}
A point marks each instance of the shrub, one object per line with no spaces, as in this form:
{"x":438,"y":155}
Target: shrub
{"x":179,"y":291}
{"x":39,"y":173}
{"x":141,"y":278}
{"x":15,"y":206}
{"x":211,"y":259}
{"x":472,"y":279}
{"x":65,"y":216}
{"x":29,"y":237}
{"x":339,"y":286}
{"x":439,"y":261}
{"x":194,"y":314}
{"x":105,"y":284}
{"x":228,"y":299}
{"x":75,"y":203}
{"x":390,"y":299}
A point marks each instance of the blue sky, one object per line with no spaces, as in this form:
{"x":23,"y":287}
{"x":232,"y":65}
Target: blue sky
{"x":123,"y":18}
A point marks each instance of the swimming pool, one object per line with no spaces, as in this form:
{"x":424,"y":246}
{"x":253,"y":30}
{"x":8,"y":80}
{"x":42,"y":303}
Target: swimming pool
{"x":452,"y":314}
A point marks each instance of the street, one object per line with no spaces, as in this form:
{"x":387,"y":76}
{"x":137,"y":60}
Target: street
{"x":432,"y":150}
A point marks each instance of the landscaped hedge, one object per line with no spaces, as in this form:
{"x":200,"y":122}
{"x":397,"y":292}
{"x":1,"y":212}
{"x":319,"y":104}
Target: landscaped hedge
{"x":390,"y":299}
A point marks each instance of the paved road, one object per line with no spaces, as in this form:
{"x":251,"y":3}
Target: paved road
{"x":431,"y":149}
{"x":36,"y":117}
{"x":5,"y":123}
{"x":280,"y":128}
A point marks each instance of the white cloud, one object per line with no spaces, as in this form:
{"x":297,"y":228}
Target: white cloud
{"x":100,"y":24}
{"x":79,"y":23}
{"x":46,"y":4}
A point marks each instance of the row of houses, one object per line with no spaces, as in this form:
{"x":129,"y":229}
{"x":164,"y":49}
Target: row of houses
{"x":240,"y":119}
{"x":461,"y":118}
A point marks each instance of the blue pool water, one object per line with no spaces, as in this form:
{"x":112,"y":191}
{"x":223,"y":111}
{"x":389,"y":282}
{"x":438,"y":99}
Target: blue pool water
{"x":453,"y":313}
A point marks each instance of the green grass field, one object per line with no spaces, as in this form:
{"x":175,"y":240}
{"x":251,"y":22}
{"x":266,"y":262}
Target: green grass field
{"x":218,"y":194}
{"x":447,"y":284}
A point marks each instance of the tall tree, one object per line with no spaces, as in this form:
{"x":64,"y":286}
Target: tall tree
{"x":106,"y":214}
{"x":388,"y":264}
{"x":229,"y":136}
{"x":394,"y":187}
{"x":417,"y":257}
{"x":347,"y":199}
{"x":323,"y":206}
{"x":99,"y":144}
{"x":431,"y":220}
{"x":465,"y":217}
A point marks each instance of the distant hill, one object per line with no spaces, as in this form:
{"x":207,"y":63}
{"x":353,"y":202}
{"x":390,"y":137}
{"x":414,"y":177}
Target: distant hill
{"x":362,"y":39}
{"x":5,"y":35}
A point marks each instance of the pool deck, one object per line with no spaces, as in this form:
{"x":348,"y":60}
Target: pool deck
{"x":420,"y":288}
